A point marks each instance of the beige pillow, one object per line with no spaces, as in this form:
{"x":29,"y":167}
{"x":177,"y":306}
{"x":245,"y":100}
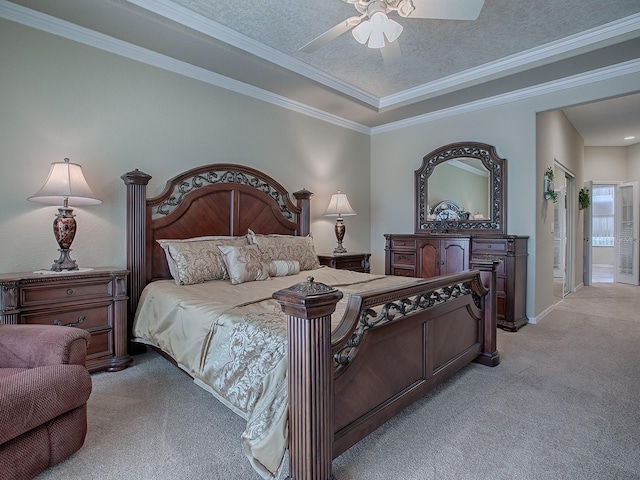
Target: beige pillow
{"x":244,"y":264}
{"x":196,"y":260}
{"x":286,"y":247}
{"x":282,"y":268}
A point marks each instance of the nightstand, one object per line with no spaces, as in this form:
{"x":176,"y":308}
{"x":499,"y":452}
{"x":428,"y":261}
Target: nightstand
{"x":95,"y":300}
{"x":358,"y":262}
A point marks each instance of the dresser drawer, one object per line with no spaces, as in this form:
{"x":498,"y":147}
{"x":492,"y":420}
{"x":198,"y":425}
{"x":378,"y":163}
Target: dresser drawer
{"x":489,"y":247}
{"x":65,"y":292}
{"x":89,"y":317}
{"x":404,"y":258}
{"x":403,"y":272}
{"x":403,"y":242}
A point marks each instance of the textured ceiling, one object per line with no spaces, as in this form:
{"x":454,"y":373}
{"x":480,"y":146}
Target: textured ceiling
{"x":514,"y":44}
{"x":432,"y":49}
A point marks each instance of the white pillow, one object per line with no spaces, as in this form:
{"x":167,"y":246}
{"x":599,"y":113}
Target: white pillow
{"x":282,"y":268}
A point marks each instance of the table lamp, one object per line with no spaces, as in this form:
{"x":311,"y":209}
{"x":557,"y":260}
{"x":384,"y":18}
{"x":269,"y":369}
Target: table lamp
{"x":339,"y":207}
{"x":65,"y":185}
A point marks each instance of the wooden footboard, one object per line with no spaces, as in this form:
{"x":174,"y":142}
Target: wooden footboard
{"x":390,"y":349}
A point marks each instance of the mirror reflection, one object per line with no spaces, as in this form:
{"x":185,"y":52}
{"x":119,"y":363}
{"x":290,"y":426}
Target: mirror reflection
{"x":459,"y":190}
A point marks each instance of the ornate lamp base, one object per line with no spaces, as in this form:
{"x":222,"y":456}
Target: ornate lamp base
{"x":64,"y":229}
{"x":65,"y":262}
{"x":340,"y":229}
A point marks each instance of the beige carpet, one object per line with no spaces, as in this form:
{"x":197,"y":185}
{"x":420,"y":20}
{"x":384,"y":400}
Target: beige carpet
{"x":563,"y":404}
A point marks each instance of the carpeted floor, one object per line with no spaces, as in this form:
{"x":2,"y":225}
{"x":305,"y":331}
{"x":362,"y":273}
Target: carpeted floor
{"x":563,"y":404}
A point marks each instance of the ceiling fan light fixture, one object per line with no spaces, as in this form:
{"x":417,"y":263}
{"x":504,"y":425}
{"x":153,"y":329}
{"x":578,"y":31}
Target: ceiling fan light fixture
{"x":376,"y":29}
{"x":392,"y":30}
{"x":362,"y":32}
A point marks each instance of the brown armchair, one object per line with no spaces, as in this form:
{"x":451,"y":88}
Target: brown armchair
{"x":44,"y":388}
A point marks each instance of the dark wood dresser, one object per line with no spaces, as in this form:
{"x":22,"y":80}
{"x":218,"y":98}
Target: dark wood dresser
{"x":358,"y":262}
{"x":422,"y":255}
{"x":95,"y":300}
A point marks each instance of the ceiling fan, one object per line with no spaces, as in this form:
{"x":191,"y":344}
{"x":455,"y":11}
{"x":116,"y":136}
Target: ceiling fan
{"x":374,"y":28}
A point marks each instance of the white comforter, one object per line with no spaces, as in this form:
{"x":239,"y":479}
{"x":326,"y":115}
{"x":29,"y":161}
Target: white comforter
{"x":232,"y":340}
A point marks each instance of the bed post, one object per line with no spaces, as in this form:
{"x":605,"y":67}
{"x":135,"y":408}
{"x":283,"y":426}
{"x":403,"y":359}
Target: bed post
{"x":488,"y":269}
{"x":304,"y":204}
{"x":309,"y":306}
{"x":136,"y":182}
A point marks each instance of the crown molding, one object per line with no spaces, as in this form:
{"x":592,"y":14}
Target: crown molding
{"x":612,"y":32}
{"x":206,"y":26}
{"x":599,"y":75}
{"x":55,"y":26}
{"x":61,"y":28}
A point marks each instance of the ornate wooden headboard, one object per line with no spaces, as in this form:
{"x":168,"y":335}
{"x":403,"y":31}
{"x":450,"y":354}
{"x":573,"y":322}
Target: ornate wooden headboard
{"x":216,"y":199}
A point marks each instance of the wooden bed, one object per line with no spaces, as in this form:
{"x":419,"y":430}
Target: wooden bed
{"x":391,"y":347}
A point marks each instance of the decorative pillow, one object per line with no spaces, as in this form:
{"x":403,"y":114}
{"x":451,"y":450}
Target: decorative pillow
{"x":196,"y":260}
{"x":282,"y":268}
{"x":286,"y":247}
{"x":244,"y":264}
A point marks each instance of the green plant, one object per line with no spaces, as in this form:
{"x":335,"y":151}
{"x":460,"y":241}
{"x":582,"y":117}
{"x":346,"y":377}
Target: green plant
{"x":549,"y":192}
{"x":583,"y":198}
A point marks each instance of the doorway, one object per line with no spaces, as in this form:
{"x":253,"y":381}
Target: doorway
{"x":612,"y":247}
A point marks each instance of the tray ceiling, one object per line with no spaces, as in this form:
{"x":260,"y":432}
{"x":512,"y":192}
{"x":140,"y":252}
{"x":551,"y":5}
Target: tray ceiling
{"x":513,"y":45}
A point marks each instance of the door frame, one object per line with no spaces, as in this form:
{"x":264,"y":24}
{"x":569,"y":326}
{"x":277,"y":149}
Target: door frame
{"x":569,"y":184}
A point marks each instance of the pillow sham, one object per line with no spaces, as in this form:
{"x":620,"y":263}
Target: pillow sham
{"x":283,"y":268}
{"x":286,"y":247}
{"x":244,"y":263}
{"x":196,"y":260}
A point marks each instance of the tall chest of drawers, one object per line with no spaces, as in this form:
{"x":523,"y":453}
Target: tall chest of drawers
{"x":95,"y":300}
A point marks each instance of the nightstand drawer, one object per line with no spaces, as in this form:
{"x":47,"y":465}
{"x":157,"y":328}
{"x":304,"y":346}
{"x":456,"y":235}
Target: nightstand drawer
{"x":100,"y":345}
{"x":348,"y":265}
{"x":88,"y":318}
{"x":65,"y":292}
{"x":357,"y":262}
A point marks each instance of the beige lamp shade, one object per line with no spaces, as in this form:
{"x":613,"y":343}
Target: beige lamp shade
{"x":65,"y":184}
{"x":339,"y":206}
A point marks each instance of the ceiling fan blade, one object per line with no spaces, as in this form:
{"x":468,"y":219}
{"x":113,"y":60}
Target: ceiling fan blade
{"x":391,"y":53}
{"x":331,"y":34}
{"x":447,"y":9}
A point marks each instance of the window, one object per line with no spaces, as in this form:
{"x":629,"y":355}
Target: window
{"x":603,"y":226}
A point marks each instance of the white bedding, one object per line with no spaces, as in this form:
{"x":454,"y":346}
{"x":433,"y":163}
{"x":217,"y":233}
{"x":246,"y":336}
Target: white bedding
{"x":232,"y":340}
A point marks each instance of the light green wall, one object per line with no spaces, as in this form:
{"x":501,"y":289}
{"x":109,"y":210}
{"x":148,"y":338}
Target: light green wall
{"x":558,"y":142}
{"x":111,"y":115}
{"x":511,"y":128}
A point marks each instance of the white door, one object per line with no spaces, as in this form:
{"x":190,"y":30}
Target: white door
{"x":586,"y":242}
{"x":627,"y":206}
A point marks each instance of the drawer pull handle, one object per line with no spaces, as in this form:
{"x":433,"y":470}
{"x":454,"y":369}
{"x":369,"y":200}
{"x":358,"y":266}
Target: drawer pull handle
{"x":70,"y":291}
{"x":80,"y":320}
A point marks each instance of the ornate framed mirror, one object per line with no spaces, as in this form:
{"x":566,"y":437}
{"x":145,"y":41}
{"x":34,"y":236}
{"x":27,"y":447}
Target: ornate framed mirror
{"x":461,"y":188}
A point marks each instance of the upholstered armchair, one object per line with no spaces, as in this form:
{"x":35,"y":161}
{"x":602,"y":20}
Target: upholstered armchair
{"x":44,"y":388}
